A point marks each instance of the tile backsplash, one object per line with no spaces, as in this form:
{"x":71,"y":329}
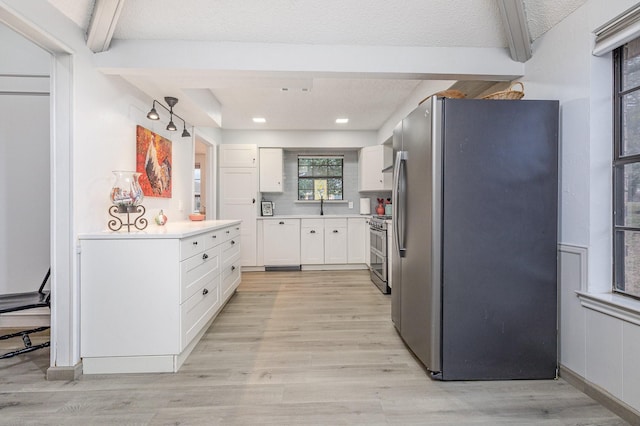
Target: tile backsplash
{"x":285,"y":203}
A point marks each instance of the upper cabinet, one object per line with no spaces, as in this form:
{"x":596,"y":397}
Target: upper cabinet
{"x":240,"y":155}
{"x":371,"y":161}
{"x":271,"y":169}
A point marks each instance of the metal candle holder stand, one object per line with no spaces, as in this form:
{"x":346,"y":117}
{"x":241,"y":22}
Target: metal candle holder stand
{"x":116,"y":223}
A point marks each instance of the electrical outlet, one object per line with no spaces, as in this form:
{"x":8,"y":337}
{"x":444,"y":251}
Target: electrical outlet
{"x":180,"y":206}
{"x":350,"y":204}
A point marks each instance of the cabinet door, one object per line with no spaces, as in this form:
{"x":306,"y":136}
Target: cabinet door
{"x":238,"y":155}
{"x":335,"y":244}
{"x":271,"y":166}
{"x":238,"y":193}
{"x":371,"y":161}
{"x":281,"y":242}
{"x":356,"y":230}
{"x":312,"y":245}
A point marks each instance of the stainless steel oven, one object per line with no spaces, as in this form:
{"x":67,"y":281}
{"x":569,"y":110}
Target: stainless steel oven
{"x":379,"y":259}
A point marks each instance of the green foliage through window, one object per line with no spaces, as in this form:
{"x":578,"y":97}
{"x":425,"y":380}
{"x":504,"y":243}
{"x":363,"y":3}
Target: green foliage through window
{"x":320,"y":177}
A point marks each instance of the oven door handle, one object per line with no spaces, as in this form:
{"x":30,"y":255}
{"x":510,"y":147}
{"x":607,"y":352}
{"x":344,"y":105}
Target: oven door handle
{"x":399,"y":196}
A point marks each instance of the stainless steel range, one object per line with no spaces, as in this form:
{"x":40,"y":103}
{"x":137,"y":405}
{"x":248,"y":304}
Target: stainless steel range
{"x":379,"y":261}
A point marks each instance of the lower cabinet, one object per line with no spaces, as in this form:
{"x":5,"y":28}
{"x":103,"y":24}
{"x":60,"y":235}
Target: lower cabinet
{"x":281,"y":242}
{"x":357,"y":232}
{"x":312,"y":242}
{"x":335,"y":241}
{"x":146,"y":299}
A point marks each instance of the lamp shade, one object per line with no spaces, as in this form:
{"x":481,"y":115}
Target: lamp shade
{"x":171,"y":126}
{"x":153,"y":114}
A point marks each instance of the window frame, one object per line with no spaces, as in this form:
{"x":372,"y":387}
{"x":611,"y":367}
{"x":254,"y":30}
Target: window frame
{"x":314,"y":178}
{"x":620,"y":160}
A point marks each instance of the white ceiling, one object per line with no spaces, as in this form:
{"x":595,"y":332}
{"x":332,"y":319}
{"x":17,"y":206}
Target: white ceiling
{"x":368,"y":102}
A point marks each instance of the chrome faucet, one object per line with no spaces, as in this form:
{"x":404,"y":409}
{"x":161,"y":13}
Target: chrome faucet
{"x":321,"y":205}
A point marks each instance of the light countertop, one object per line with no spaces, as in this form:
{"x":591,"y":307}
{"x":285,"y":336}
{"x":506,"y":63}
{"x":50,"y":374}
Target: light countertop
{"x":180,"y":229}
{"x":315,"y":216}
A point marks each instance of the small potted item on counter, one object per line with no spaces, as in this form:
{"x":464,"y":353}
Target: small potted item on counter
{"x":380,"y":207}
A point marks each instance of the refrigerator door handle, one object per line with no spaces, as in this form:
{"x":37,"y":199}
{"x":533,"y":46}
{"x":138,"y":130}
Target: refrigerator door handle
{"x":398,"y":210}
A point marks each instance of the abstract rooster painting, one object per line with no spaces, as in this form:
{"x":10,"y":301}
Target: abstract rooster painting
{"x":153,"y":160}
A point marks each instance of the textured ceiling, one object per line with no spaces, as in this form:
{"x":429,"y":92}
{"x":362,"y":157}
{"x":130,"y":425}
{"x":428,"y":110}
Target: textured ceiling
{"x":367,"y":102}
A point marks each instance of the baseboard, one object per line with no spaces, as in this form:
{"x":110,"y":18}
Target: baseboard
{"x":65,"y":373}
{"x":253,"y":269}
{"x":336,"y":267}
{"x":37,"y":317}
{"x":610,"y":402}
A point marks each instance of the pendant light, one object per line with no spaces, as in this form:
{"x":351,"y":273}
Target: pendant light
{"x":171,"y":101}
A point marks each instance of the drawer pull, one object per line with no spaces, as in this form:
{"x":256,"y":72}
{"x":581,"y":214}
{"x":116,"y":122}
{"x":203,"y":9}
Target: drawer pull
{"x":232,"y":242}
{"x":227,"y":231}
{"x":205,"y":256}
{"x":335,"y":231}
{"x":233,"y":268}
{"x":214,"y":236}
{"x":238,"y":228}
{"x":205,"y":292}
{"x":313,"y":231}
{"x":195,"y":243}
{"x":281,"y":223}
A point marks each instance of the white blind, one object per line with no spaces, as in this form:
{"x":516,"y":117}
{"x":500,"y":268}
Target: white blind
{"x":620,"y":30}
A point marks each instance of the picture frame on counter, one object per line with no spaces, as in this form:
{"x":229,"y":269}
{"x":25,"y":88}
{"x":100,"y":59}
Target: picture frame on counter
{"x":267,"y":208}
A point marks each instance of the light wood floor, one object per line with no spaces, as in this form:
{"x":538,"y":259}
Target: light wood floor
{"x":292,"y":348}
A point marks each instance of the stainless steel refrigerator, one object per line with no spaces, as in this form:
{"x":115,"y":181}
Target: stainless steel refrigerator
{"x":475,"y":237}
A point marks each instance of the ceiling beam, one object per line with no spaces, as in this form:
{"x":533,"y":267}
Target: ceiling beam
{"x":103,"y":23}
{"x":516,"y":29}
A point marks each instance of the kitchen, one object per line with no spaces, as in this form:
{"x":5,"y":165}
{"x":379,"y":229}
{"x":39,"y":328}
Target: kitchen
{"x":545,"y":79}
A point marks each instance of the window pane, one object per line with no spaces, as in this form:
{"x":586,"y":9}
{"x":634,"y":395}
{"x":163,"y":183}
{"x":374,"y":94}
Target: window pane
{"x":631,"y":65}
{"x":303,"y":171}
{"x":631,"y":124}
{"x":305,"y":184}
{"x":320,"y":189}
{"x":627,"y":278}
{"x":627,"y":196}
{"x":320,"y":171}
{"x":334,"y":171}
{"x":305,"y":194}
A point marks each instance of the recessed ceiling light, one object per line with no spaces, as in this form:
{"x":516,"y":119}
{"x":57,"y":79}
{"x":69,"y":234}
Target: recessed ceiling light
{"x":259,"y":120}
{"x":342,"y":120}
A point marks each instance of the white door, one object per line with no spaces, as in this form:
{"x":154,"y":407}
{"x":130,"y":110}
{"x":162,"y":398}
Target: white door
{"x":238,"y":193}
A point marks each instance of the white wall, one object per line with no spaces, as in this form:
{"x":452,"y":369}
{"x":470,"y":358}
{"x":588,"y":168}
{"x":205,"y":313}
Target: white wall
{"x":105,"y":111}
{"x":301,"y":139}
{"x":600,"y":348}
{"x":24,"y":164}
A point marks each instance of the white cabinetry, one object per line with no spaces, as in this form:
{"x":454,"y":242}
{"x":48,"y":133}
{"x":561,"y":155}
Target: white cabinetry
{"x":146,"y":299}
{"x":312,"y":242}
{"x":281,"y":242}
{"x":238,"y":194}
{"x":357,"y":232}
{"x":371,"y":161}
{"x":238,"y":155}
{"x":335,"y":241}
{"x":271,"y":169}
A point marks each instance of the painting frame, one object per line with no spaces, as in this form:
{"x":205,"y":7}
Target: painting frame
{"x":266,"y":208}
{"x":154,"y":162}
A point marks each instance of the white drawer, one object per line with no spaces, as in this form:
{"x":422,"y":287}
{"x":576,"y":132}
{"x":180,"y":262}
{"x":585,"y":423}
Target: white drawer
{"x":197,"y":270}
{"x":230,"y":278}
{"x":230,"y":232}
{"x":230,"y":248}
{"x":312,"y":223}
{"x":191,"y":246}
{"x":213,"y":238}
{"x":335,"y":223}
{"x":198,"y":309}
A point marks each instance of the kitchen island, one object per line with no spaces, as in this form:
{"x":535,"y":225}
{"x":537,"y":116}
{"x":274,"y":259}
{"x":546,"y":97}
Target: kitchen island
{"x":147,"y":297}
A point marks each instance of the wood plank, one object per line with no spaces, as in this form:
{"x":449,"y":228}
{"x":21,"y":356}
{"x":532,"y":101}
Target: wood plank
{"x":297,"y":348}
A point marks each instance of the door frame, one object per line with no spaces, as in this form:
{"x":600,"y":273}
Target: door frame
{"x":65,"y":326}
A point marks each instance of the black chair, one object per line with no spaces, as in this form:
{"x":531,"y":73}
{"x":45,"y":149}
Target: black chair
{"x":19,"y":302}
